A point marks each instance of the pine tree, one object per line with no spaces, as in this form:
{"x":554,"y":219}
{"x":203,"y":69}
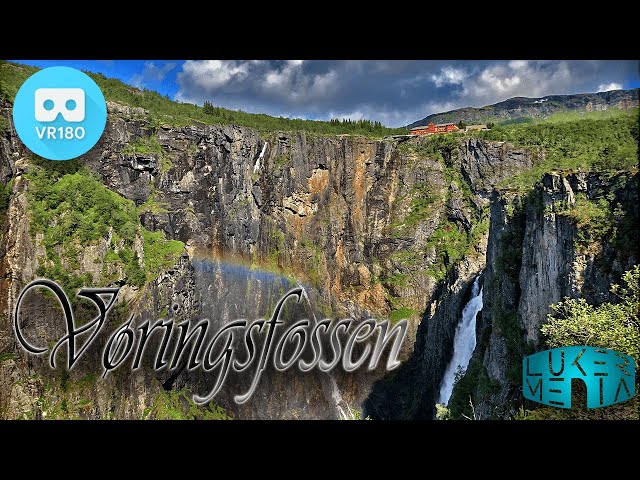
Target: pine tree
{"x":208,"y":108}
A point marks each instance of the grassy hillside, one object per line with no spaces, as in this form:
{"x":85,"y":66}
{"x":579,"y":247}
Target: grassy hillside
{"x":167,"y":111}
{"x":602,"y":141}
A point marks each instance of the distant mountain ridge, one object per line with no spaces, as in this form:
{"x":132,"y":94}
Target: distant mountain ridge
{"x":524,"y":107}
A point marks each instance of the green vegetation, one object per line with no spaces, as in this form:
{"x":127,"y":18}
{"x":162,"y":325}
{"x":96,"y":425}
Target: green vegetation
{"x":476,"y":384}
{"x":357,"y":414}
{"x":178,"y":405}
{"x":450,"y":244}
{"x":465,"y":391}
{"x":433,"y":146}
{"x":573,"y":116}
{"x":4,"y":125}
{"x":7,"y":356}
{"x":282,"y":161}
{"x":152,"y":205}
{"x":609,"y":325}
{"x":442,"y":412}
{"x":421,"y":204}
{"x":606,"y":142}
{"x":509,"y":258}
{"x":72,"y":209}
{"x":515,"y":121}
{"x":398,"y":279}
{"x":144,"y":146}
{"x":208,"y":108}
{"x":6,"y":191}
{"x":11,"y":77}
{"x":150,"y":146}
{"x":451,"y":240}
{"x":125,"y":256}
{"x":592,"y":219}
{"x":470,"y":387}
{"x":401,"y":313}
{"x":163,"y":110}
{"x":159,"y":253}
{"x":603,"y":219}
{"x":67,"y":398}
{"x":507,"y":273}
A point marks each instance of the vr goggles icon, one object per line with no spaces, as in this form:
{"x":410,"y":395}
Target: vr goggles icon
{"x":50,"y":102}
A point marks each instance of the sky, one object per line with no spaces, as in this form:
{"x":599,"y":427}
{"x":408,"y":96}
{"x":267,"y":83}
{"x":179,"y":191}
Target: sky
{"x":394,"y":92}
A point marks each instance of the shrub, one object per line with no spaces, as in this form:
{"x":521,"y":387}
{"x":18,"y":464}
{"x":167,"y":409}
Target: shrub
{"x":71,"y":208}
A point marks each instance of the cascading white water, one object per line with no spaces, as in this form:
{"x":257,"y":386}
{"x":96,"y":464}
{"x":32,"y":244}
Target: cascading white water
{"x":341,"y":405}
{"x":464,"y":342}
{"x":256,"y":167}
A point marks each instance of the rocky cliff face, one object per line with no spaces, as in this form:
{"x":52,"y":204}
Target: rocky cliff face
{"x":411,"y":392}
{"x":359,"y":223}
{"x":538,"y":253}
{"x":572,"y":236}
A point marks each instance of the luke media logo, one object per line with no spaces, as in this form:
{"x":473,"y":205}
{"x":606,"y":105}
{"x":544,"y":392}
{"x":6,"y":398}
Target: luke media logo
{"x":59,"y":113}
{"x":608,"y":375}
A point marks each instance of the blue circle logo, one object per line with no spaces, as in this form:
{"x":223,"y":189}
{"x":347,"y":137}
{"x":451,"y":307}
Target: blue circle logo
{"x":59,"y":113}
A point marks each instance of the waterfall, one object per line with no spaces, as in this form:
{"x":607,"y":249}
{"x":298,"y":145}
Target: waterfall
{"x":464,"y":342}
{"x":256,"y":167}
{"x":341,"y":405}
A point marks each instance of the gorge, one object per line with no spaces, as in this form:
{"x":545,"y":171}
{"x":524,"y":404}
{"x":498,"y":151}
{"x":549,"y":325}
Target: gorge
{"x":216,"y":221}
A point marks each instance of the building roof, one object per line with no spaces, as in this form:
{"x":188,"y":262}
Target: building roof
{"x":477,"y":126}
{"x":437,"y":125}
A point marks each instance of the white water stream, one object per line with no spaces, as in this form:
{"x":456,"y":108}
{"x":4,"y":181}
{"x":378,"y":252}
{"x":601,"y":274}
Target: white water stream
{"x":341,"y":405}
{"x":464,"y":342}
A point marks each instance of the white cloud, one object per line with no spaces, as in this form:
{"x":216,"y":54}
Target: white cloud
{"x":211,"y":74}
{"x":285,"y":76}
{"x":151,"y":73}
{"x":284,"y":82}
{"x":605,"y":87}
{"x":517,"y":78}
{"x":518,"y":64}
{"x":449,"y":76}
{"x":291,"y":83}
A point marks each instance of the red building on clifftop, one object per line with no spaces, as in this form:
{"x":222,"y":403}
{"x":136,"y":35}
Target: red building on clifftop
{"x":433,"y":128}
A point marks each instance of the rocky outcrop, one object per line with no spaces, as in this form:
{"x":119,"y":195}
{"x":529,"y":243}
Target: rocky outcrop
{"x":537,"y":255}
{"x":485,"y":164}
